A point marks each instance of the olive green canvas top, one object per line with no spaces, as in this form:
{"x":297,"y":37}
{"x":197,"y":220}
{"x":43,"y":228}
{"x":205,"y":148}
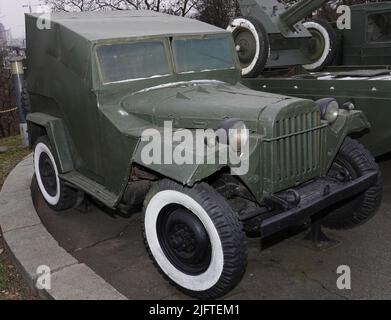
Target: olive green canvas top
{"x":95,"y":26}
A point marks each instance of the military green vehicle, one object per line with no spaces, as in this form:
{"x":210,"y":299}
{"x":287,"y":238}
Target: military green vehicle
{"x":368,"y":42}
{"x":271,"y":35}
{"x":99,"y":81}
{"x":360,"y":75}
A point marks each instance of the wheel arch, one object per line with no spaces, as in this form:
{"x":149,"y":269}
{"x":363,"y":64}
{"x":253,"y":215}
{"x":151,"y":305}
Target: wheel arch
{"x":347,"y":124}
{"x":186,"y":175}
{"x":40,"y":124}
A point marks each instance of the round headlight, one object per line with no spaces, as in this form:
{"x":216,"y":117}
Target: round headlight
{"x":332,"y":111}
{"x":329,"y":109}
{"x":238,"y":136}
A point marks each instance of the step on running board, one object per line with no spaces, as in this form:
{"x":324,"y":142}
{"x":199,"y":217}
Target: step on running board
{"x":91,"y":187}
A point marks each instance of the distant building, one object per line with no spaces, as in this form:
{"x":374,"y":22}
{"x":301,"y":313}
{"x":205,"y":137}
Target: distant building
{"x":4,"y":35}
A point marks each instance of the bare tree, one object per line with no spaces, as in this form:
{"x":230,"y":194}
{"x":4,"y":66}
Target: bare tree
{"x":73,"y":5}
{"x":177,"y":7}
{"x":217,"y":12}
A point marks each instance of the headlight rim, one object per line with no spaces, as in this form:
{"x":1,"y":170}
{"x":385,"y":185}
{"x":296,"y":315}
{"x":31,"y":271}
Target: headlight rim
{"x":227,"y":125}
{"x":325,"y":105}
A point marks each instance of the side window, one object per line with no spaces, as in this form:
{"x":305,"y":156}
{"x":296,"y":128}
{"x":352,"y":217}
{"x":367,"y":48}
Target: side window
{"x":379,"y":27}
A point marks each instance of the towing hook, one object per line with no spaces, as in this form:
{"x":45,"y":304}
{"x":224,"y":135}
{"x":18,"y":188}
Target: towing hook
{"x":292,"y":197}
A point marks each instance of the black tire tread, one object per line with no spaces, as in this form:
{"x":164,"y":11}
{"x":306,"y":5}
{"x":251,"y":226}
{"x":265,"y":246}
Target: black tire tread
{"x":352,"y":216}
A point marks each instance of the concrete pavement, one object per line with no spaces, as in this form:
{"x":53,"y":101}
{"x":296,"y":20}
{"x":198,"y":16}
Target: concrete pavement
{"x":98,"y":254}
{"x":32,"y":246}
{"x":286,"y":267}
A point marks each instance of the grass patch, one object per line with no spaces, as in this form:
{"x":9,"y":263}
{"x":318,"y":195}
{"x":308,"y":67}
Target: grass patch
{"x":10,"y":159}
{"x":12,"y":285}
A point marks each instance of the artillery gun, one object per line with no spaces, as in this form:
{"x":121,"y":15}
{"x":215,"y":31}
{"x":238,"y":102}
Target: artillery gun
{"x":360,"y":74}
{"x":270,"y":34}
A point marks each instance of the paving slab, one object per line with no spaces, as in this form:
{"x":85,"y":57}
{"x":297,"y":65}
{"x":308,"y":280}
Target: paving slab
{"x":19,"y":179}
{"x":32,"y":246}
{"x":79,"y":282}
{"x":17,"y":211}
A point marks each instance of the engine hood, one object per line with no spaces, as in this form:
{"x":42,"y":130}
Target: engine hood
{"x":200,"y":105}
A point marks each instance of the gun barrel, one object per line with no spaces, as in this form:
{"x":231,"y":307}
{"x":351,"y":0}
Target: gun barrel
{"x":300,"y":10}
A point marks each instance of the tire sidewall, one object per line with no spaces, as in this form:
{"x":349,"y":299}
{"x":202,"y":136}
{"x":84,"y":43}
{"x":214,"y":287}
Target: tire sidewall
{"x":43,"y":147}
{"x":260,"y":58}
{"x":198,"y":283}
{"x":328,"y":45}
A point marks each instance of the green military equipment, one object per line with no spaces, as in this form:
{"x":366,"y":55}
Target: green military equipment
{"x":368,"y":41}
{"x":365,"y":90}
{"x":360,"y":75}
{"x":104,"y":86}
{"x":272,"y":35}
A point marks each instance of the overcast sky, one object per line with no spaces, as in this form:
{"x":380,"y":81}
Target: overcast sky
{"x":12,"y":15}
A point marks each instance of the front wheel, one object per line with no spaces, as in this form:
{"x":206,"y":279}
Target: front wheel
{"x":195,"y":239}
{"x":352,"y":162}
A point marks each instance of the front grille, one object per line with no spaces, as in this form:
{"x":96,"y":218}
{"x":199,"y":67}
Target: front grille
{"x":297,"y":150}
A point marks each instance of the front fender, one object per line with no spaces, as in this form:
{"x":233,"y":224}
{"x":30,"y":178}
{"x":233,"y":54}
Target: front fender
{"x":54,"y":128}
{"x":348,"y":122}
{"x":186,"y":174}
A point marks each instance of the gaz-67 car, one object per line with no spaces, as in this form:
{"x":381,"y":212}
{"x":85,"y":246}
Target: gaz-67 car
{"x":107,"y":88}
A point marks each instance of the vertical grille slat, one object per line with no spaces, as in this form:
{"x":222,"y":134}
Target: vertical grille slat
{"x":281,"y":146}
{"x":305,"y":138}
{"x":287,"y":151}
{"x":310,"y":145}
{"x":294,"y":148}
{"x":299,"y":147}
{"x":297,"y":156}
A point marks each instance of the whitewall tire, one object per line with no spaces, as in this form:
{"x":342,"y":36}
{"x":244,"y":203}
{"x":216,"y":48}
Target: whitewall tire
{"x":252,"y":45}
{"x":194,"y":238}
{"x":325,"y":45}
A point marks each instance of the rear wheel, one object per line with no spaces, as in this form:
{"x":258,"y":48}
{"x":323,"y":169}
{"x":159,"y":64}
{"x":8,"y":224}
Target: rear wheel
{"x":58,"y":196}
{"x":323,"y":45}
{"x":252,"y":45}
{"x":352,"y":162}
{"x":195,"y":239}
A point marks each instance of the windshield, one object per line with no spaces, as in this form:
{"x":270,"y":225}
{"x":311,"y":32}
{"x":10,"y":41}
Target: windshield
{"x":202,"y":54}
{"x":132,"y":61}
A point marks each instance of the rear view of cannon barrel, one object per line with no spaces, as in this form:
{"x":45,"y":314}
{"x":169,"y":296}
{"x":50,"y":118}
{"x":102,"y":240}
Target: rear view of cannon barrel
{"x":270,"y":34}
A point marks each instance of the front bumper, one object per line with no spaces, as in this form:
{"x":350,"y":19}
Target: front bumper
{"x":313,"y":197}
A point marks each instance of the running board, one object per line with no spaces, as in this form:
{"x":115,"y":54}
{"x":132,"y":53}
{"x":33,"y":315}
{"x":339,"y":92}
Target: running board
{"x":91,"y":187}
